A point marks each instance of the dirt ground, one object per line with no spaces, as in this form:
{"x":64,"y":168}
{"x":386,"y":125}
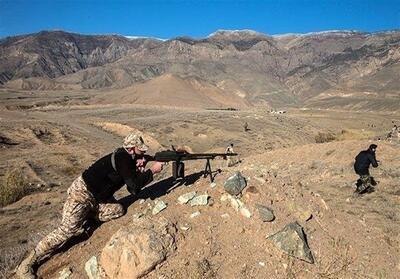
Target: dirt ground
{"x":52,"y":137}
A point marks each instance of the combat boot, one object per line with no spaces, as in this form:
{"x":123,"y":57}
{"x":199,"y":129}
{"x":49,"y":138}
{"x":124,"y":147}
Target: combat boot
{"x":25,"y":268}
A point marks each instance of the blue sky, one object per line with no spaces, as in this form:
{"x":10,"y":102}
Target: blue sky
{"x":167,"y":19}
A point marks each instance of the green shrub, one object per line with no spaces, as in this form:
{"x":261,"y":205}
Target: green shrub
{"x":14,"y":186}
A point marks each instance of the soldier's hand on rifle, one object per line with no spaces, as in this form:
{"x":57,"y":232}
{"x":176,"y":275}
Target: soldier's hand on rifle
{"x":157,"y":167}
{"x":141,"y":164}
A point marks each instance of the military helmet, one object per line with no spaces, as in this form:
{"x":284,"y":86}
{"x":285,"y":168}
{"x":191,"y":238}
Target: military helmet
{"x":135,"y":140}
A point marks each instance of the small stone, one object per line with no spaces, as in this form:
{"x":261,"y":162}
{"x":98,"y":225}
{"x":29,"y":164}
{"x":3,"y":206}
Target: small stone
{"x":92,"y":269}
{"x":292,"y":240}
{"x":225,"y":216}
{"x":186,"y":197}
{"x":194,"y":214}
{"x":236,"y":203}
{"x":225,"y":197}
{"x":160,"y":206}
{"x":261,"y":263}
{"x":301,"y":213}
{"x":235,"y":184}
{"x":184,"y":228}
{"x":266,"y":214}
{"x":245,"y":212}
{"x":213,"y":185}
{"x":65,"y":273}
{"x":252,"y":190}
{"x":199,"y":200}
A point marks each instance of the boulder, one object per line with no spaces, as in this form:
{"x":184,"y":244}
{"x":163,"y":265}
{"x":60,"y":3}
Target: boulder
{"x":199,"y":200}
{"x":237,"y":204}
{"x":136,"y":249}
{"x":235,"y":184}
{"x":302,"y":213}
{"x":266,"y":214}
{"x":182,"y":199}
{"x":160,"y":206}
{"x":292,"y":240}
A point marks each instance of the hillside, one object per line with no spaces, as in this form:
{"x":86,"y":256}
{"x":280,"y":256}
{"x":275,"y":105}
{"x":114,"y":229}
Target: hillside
{"x":350,"y":237}
{"x":276,"y":71}
{"x":50,"y":139}
{"x":168,"y":90}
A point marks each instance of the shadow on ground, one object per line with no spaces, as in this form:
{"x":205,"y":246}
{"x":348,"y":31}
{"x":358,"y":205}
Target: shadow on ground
{"x":161,"y":188}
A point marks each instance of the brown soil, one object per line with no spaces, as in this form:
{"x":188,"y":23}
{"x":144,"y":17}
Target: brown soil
{"x":350,"y":237}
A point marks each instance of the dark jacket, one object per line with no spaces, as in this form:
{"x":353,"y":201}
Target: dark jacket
{"x":103,"y":181}
{"x":363,"y":160}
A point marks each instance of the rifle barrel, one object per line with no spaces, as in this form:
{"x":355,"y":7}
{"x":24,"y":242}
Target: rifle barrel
{"x":180,"y":156}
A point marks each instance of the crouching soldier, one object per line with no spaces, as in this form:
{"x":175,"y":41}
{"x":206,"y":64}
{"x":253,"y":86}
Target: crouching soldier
{"x":361,"y":167}
{"x":91,"y":196}
{"x":229,"y":160}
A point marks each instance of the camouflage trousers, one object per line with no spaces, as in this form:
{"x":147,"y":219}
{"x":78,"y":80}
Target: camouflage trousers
{"x":363,"y":183}
{"x":79,"y":206}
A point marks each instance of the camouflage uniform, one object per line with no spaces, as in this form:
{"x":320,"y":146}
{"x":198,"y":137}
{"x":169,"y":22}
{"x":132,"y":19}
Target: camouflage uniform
{"x":364,"y":183}
{"x":79,"y":206}
{"x":229,"y":160}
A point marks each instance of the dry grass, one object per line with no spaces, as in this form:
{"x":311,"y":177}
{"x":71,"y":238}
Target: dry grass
{"x":14,"y":186}
{"x":352,"y":134}
{"x":11,"y":257}
{"x":322,"y":137}
{"x":115,"y":128}
{"x":338,"y":264}
{"x":202,"y":270}
{"x":345,"y":134}
{"x":71,"y":170}
{"x":123,"y":130}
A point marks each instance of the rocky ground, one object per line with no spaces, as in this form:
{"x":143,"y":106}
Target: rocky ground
{"x":285,"y":169}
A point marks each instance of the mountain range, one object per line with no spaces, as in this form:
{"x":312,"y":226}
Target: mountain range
{"x":333,"y":69}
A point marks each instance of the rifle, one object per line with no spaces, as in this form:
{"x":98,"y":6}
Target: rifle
{"x":177,"y":157}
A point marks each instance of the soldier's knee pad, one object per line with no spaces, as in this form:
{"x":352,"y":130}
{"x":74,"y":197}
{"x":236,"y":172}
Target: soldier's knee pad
{"x":116,"y":210}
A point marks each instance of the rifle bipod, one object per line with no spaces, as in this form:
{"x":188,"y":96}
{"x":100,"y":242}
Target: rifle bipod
{"x":209,"y":172}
